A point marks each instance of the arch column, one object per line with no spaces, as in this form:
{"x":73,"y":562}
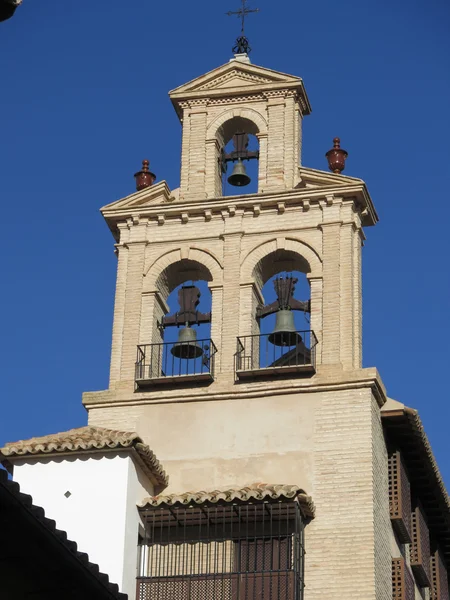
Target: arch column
{"x":262,"y":167}
{"x":216,"y":322}
{"x":316,"y":287}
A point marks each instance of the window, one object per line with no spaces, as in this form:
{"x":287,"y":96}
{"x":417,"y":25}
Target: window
{"x":230,"y":551}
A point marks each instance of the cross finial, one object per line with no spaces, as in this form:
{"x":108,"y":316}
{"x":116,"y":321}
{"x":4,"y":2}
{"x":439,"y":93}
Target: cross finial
{"x":242,"y":45}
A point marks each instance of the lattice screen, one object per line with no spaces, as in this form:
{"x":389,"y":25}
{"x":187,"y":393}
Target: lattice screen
{"x":402,"y":581}
{"x":439,"y":578}
{"x":420,"y":547}
{"x":399,"y":497}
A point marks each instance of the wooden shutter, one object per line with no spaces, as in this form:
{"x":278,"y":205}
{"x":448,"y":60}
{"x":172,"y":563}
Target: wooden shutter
{"x":399,"y":497}
{"x":420,"y":547}
{"x":402,"y":581}
{"x":439,"y":578}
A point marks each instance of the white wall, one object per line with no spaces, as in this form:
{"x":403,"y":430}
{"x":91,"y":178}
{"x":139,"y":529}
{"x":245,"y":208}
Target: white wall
{"x":100,"y":514}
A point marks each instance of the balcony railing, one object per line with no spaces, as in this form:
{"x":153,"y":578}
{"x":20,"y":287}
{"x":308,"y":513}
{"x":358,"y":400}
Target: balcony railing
{"x":222,"y":552}
{"x":275,"y":354}
{"x":169,"y":362}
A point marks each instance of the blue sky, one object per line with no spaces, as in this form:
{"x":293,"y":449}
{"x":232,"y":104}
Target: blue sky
{"x":84,"y":100}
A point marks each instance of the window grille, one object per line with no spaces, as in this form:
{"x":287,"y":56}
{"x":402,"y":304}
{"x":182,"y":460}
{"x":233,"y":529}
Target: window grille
{"x":225,"y":552}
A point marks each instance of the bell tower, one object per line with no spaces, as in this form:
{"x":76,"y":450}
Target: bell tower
{"x":239,"y":98}
{"x":224,"y":395}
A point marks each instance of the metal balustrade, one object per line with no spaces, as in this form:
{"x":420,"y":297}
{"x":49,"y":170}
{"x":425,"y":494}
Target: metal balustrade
{"x":169,"y":362}
{"x":231,"y":552}
{"x":275,"y":354}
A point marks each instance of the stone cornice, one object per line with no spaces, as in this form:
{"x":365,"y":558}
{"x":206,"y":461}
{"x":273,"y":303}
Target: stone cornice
{"x":334,"y":380}
{"x":303,"y":197}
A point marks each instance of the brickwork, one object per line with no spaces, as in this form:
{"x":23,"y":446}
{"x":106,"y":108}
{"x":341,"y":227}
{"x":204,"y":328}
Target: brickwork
{"x":321,"y":432}
{"x":349,"y":482}
{"x":273,"y":115}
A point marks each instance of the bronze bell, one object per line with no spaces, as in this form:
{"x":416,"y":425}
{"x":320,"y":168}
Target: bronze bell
{"x":284,"y":333}
{"x":239,"y":176}
{"x":186,"y":346}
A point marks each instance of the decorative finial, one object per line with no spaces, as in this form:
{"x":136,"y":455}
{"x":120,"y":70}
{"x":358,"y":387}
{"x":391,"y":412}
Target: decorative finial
{"x":336,"y":157}
{"x":144,"y":177}
{"x":242,"y":46}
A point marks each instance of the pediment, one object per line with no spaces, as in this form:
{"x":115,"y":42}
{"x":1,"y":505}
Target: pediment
{"x":234,"y":74}
{"x":149,"y":197}
{"x":316,"y":179}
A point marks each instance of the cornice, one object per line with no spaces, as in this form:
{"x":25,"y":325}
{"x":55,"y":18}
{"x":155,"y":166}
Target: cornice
{"x":305,"y":198}
{"x":335,"y":381}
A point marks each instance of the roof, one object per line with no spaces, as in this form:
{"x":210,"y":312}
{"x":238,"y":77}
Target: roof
{"x":405,"y":430}
{"x":56,"y":563}
{"x":256,"y":491}
{"x":236,"y":78}
{"x":88,"y":440}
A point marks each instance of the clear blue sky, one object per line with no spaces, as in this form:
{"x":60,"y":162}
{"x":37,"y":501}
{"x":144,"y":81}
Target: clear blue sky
{"x":84,"y":100}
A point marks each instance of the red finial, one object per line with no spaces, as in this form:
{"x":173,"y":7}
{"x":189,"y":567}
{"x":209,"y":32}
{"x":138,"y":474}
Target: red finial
{"x":144,"y":177}
{"x":336,"y":157}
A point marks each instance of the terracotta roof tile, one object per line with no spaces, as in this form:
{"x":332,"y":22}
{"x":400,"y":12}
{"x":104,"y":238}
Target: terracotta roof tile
{"x":88,"y":439}
{"x":256,"y":491}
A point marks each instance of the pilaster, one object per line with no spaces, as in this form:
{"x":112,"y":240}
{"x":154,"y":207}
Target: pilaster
{"x":347,"y":280}
{"x":230,"y":316}
{"x":331,"y":293}
{"x":275,"y":149}
{"x":196,"y":163}
{"x":119,"y":314}
{"x":133,"y":302}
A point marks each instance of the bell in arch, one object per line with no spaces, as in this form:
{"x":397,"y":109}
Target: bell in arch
{"x":284,"y":333}
{"x":187,"y":347}
{"x":239,"y":176}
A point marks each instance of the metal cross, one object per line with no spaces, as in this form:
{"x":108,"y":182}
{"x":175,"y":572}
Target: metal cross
{"x":242,"y":12}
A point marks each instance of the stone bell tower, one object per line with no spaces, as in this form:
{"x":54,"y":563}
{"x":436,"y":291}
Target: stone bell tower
{"x":238,"y":406}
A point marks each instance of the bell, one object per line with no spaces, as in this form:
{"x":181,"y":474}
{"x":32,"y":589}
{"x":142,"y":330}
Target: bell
{"x":284,"y":333}
{"x":186,"y":346}
{"x":239,"y":176}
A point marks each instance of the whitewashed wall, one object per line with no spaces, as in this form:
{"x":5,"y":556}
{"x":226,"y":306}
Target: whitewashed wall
{"x":100,"y":513}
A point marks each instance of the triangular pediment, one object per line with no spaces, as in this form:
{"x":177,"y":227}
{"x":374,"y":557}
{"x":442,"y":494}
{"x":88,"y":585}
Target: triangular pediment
{"x":235,"y":74}
{"x":152,"y":196}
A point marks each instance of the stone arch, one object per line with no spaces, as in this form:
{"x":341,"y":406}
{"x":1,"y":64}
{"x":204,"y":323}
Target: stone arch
{"x":202,"y":260}
{"x":305,"y":255}
{"x":248,"y":114}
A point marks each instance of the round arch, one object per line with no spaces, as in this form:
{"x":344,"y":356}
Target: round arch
{"x":309,"y":259}
{"x":248,"y":114}
{"x":207,"y":263}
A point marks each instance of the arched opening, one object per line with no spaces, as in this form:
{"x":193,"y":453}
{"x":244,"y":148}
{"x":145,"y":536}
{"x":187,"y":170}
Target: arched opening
{"x":281,"y":339}
{"x":239,"y":156}
{"x":182,"y":345}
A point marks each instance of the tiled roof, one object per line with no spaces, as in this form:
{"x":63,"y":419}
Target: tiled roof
{"x":68,"y":549}
{"x":88,"y":440}
{"x":257,"y":491}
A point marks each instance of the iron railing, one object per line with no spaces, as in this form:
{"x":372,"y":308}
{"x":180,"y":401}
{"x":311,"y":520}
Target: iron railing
{"x":172,"y":361}
{"x":226,"y":552}
{"x":275,"y":353}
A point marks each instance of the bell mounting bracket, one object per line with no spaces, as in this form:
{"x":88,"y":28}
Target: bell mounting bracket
{"x":188,"y":300}
{"x":284,"y":289}
{"x":240,"y":152}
